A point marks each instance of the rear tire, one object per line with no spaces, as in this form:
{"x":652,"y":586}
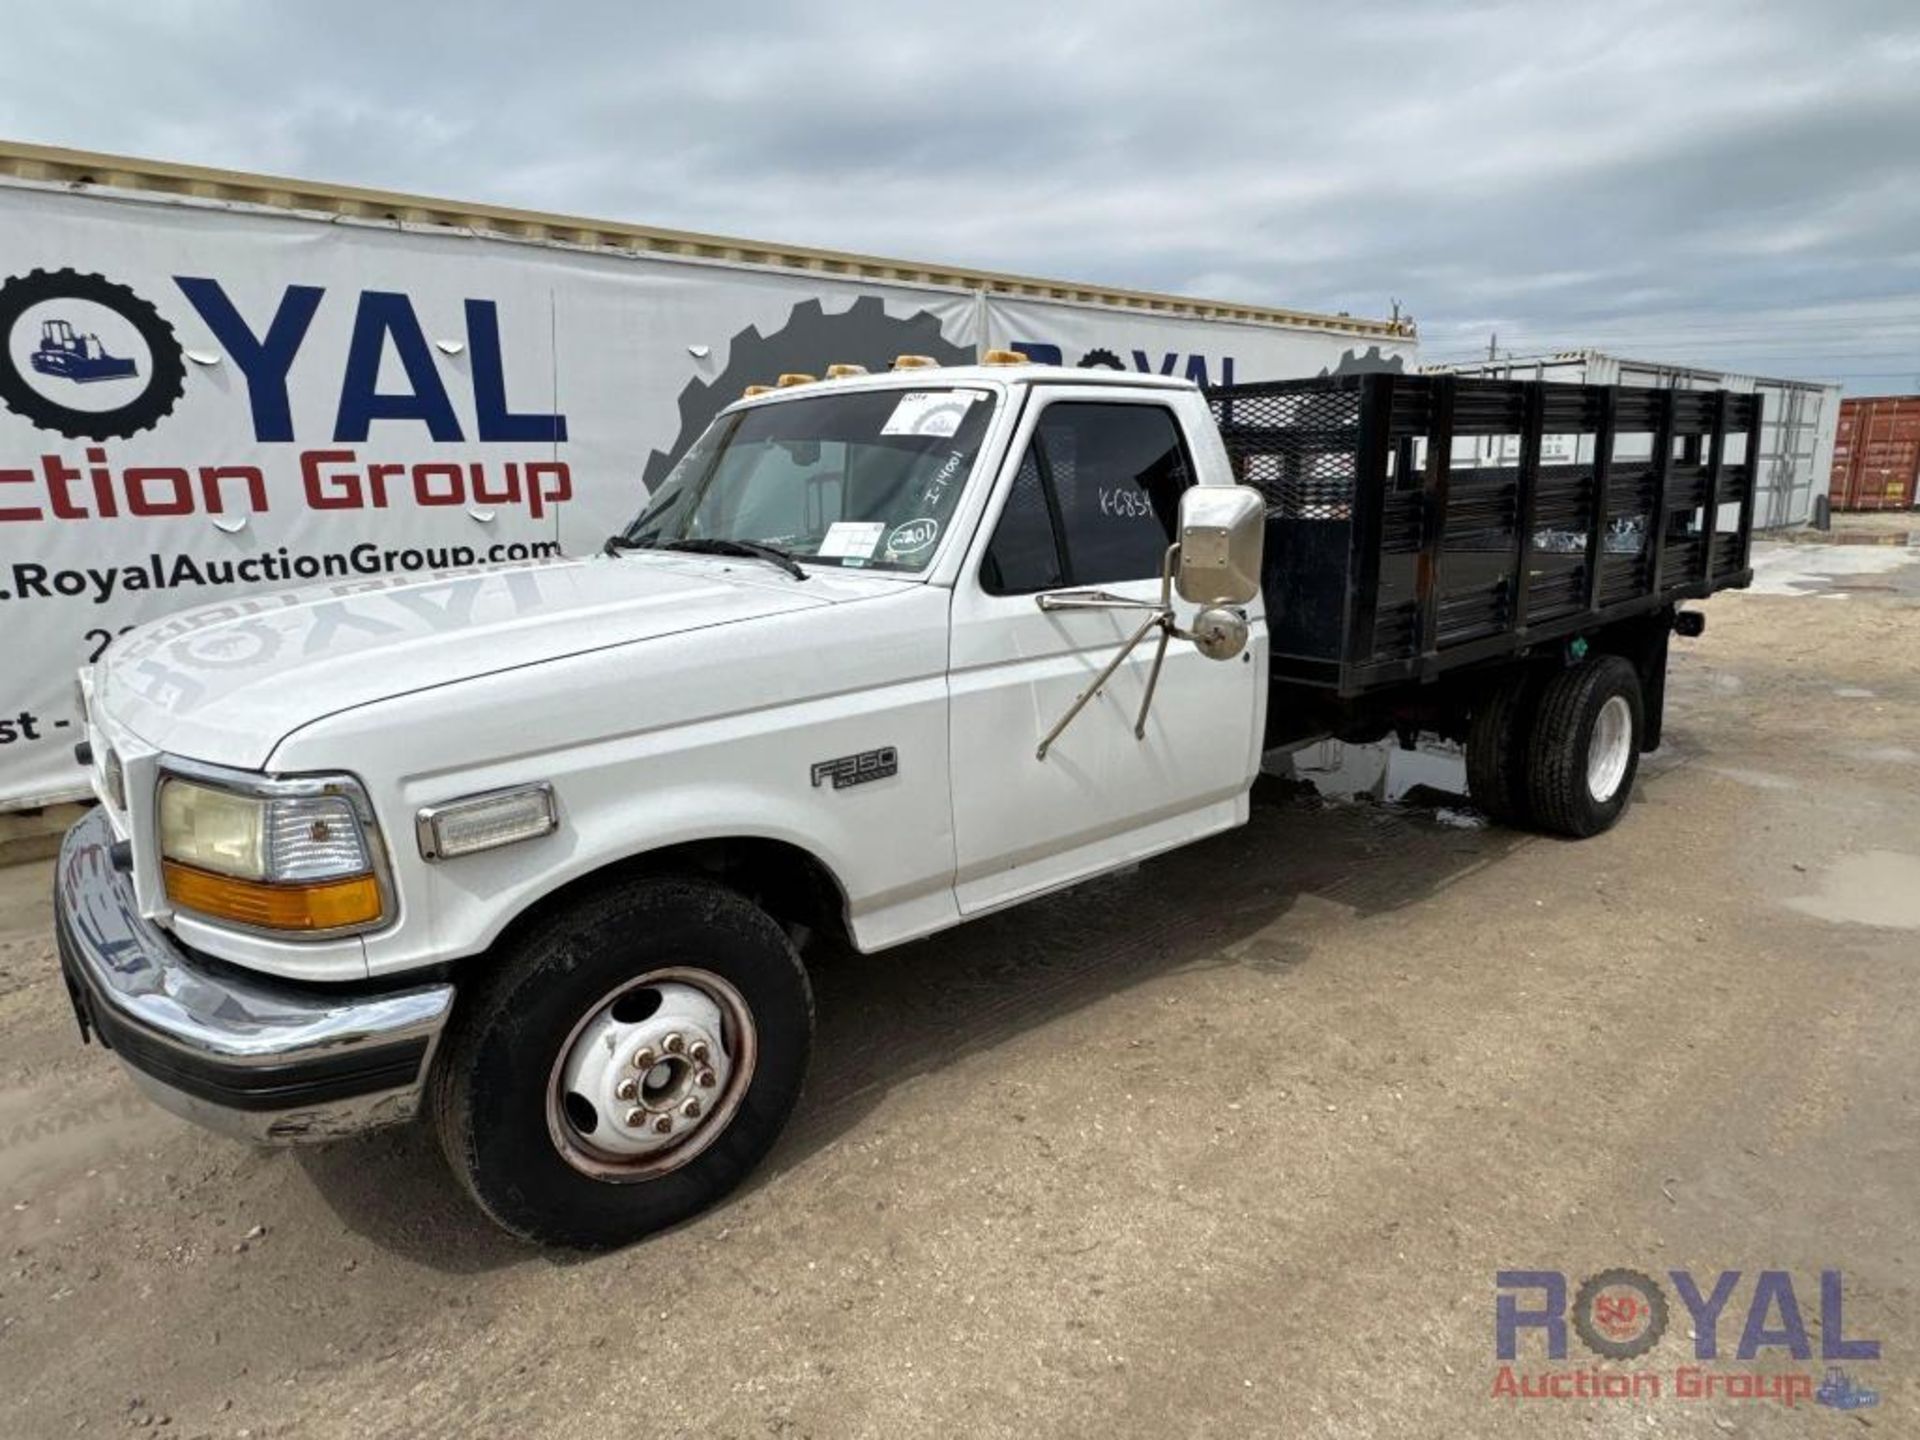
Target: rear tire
{"x":1497,"y":740}
{"x":1585,"y":747}
{"x":585,"y":989}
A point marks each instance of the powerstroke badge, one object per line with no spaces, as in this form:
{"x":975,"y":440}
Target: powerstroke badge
{"x":857,"y":769}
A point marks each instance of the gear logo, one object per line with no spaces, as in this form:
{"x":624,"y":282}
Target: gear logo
{"x":1354,"y":363}
{"x":864,"y":333}
{"x":1101,"y":359}
{"x":65,"y":356}
{"x":1620,"y":1314}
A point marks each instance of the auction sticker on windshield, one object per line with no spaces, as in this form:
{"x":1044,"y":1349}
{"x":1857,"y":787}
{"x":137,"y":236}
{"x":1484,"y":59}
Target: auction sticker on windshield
{"x":930,"y":412}
{"x":851,"y":539}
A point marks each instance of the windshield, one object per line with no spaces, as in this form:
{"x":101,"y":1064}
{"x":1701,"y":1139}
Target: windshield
{"x":864,"y":478}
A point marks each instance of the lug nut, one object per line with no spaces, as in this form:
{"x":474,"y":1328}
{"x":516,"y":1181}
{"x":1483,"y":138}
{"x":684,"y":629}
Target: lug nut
{"x":644,"y":1058}
{"x":636,"y":1118}
{"x":673,"y":1044}
{"x":663,"y":1124}
{"x":698,"y":1052}
{"x":691,"y":1109}
{"x":705,"y":1079}
{"x":626,"y":1089}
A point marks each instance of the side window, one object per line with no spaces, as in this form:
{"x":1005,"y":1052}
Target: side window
{"x":1024,"y":557}
{"x":1096,"y":500}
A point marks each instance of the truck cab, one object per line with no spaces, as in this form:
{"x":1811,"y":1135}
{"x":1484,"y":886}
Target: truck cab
{"x":536,"y":847}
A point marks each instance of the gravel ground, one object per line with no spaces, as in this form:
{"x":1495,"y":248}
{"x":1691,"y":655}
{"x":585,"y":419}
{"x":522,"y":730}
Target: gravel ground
{"x":1232,"y":1144}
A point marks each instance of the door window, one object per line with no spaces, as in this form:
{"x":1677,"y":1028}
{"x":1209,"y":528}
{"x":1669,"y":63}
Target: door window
{"x":1096,"y":500}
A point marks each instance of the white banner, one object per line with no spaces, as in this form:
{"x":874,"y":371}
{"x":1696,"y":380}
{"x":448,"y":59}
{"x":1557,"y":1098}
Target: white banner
{"x":1207,"y":352}
{"x":201,"y":401}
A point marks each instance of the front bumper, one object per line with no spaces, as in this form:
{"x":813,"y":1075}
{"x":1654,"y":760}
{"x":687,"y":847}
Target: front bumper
{"x":262,"y":1060}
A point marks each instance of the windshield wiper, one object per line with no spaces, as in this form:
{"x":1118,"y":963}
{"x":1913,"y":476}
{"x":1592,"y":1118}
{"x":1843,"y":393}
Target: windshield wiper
{"x":750,"y":549}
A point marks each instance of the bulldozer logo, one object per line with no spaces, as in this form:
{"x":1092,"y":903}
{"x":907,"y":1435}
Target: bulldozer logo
{"x":59,"y":370}
{"x":810,"y":340}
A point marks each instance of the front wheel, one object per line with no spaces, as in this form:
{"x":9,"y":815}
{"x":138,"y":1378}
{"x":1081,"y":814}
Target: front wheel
{"x":625,"y":1065}
{"x":1585,"y":747}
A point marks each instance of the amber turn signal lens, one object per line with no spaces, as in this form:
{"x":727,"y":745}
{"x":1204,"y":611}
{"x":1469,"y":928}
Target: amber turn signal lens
{"x":325,"y":905}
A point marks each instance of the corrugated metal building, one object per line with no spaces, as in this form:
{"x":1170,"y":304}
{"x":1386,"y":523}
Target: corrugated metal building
{"x":1798,"y":422}
{"x":1876,"y":458}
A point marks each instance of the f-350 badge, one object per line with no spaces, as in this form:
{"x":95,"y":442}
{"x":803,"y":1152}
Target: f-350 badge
{"x":857,"y":769}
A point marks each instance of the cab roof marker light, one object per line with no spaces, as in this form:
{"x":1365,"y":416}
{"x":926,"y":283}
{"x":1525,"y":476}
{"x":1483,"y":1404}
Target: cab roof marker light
{"x":792,"y":378}
{"x":842,"y":371}
{"x":486,"y":822}
{"x":753,"y":390}
{"x":1005,"y":357}
{"x":915,"y":362}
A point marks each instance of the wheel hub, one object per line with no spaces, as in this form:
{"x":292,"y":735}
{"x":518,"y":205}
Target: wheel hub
{"x":654,"y":1069}
{"x":1610,"y":748}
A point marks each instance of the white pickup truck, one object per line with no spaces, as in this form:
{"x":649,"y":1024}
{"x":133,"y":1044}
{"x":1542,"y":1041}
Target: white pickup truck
{"x":537,"y":848}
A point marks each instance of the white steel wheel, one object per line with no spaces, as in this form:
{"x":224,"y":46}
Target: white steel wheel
{"x":651,"y":1075}
{"x":1609,"y":749}
{"x":544,"y":1115}
{"x":1584,"y":747}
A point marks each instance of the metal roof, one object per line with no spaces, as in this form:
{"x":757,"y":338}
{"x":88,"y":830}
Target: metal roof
{"x":1582,"y":357}
{"x":82,"y":169}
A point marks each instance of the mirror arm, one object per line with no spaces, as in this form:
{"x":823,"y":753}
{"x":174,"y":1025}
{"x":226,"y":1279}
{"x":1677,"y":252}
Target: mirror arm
{"x":1162,"y":618}
{"x":1090,"y":600}
{"x":1167,"y":632}
{"x":1156,"y":619}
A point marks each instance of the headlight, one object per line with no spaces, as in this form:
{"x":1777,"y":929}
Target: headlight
{"x":295,"y":856}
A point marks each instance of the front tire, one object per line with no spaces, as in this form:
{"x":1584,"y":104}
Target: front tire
{"x":626,"y":1064}
{"x":1585,"y":747}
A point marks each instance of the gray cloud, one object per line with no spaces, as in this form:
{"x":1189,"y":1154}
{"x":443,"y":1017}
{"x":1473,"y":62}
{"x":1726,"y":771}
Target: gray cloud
{"x":1725,"y":184}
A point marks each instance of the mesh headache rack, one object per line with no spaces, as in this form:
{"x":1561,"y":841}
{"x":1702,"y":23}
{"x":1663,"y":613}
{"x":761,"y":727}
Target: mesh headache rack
{"x":1416,"y":523}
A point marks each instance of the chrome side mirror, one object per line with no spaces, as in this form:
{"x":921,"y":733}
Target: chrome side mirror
{"x":1215,"y":564}
{"x":1219,"y":633}
{"x":1223,"y":533}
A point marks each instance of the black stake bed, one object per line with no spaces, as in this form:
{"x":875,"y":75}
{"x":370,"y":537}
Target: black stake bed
{"x":1419,"y":523}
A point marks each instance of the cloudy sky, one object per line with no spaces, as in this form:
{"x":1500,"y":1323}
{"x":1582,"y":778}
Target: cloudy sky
{"x":1729,"y":185}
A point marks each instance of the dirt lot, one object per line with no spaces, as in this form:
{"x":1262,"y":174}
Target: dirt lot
{"x":1234,"y":1144}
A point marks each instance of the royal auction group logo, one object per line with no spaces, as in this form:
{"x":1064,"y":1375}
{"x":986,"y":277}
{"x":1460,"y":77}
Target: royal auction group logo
{"x":1621,"y":1314}
{"x":84,"y":356}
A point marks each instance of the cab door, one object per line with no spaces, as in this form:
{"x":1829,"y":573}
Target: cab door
{"x":1089,"y":498}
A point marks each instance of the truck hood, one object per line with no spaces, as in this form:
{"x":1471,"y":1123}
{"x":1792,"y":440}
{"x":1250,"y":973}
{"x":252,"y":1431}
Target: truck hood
{"x":225,"y":683}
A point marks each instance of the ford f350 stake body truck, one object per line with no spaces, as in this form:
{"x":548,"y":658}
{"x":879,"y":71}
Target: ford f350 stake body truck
{"x":535,"y":848}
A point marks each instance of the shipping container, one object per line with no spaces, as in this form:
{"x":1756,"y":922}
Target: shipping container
{"x":1799,"y":418}
{"x":1876,"y":457}
{"x":216,"y":385}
